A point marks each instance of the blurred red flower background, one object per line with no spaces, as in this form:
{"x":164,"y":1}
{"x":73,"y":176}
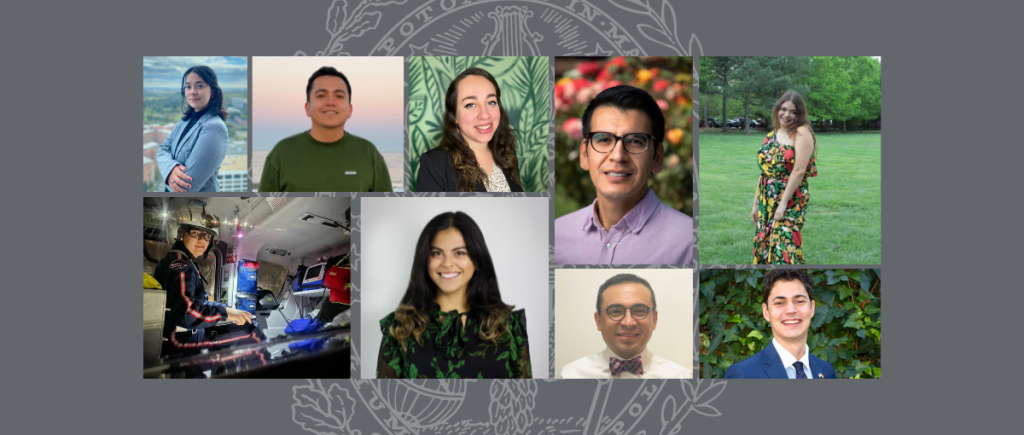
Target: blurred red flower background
{"x":667,"y":79}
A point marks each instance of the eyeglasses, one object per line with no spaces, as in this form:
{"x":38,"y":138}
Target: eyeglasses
{"x":635,"y":143}
{"x":617,"y":312}
{"x":201,"y":235}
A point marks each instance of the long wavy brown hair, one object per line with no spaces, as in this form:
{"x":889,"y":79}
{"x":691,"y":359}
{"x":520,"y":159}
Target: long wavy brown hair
{"x":482,"y":294}
{"x":502,"y":144}
{"x":801,"y":116}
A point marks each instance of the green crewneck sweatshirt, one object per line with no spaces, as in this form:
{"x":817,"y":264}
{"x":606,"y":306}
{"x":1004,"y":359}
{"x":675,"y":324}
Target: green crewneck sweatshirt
{"x":302,"y":164}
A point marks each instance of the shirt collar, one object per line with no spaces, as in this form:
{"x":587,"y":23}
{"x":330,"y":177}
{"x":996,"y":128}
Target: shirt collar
{"x":788,"y":359}
{"x":646,"y":356}
{"x":634,"y":220}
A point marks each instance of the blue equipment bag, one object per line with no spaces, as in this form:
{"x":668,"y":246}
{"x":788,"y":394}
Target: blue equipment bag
{"x":302,"y":326}
{"x":297,"y":282}
{"x":247,"y":276}
{"x":246,"y":304}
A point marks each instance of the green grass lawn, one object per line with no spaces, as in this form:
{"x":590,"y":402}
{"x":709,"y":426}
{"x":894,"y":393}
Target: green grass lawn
{"x":843,"y":225}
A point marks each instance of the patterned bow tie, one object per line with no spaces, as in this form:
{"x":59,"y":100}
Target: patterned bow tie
{"x":634,"y":366}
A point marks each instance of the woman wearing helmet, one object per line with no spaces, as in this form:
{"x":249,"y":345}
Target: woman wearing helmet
{"x":188,"y":308}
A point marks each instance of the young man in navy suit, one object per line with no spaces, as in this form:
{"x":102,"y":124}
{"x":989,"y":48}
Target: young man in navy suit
{"x":787,"y":303}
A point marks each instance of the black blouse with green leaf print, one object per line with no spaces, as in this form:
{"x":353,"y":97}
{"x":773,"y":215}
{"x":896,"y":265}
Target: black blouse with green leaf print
{"x":451,"y":352}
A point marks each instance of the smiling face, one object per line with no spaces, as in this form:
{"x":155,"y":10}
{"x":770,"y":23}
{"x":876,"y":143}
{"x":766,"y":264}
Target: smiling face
{"x":477,"y":112}
{"x":197,"y":92}
{"x":787,"y":114}
{"x":195,"y":245}
{"x":789,"y":311}
{"x":627,"y":337}
{"x":450,"y":266}
{"x":619,"y":175}
{"x":328,"y":104}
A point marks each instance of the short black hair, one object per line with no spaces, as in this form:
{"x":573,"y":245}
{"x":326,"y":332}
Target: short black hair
{"x":623,"y":278}
{"x":328,"y":71}
{"x":781,"y":275}
{"x":626,"y":97}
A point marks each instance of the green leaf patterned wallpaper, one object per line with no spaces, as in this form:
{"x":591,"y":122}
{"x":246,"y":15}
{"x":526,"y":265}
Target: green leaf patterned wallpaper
{"x":525,"y":95}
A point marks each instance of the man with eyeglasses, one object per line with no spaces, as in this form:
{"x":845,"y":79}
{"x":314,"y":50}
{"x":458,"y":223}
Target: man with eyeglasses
{"x":626,"y":316}
{"x":191,"y":320}
{"x":787,"y":303}
{"x":623,"y":130}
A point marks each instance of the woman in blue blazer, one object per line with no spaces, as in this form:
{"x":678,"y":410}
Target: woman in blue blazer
{"x":191,"y":156}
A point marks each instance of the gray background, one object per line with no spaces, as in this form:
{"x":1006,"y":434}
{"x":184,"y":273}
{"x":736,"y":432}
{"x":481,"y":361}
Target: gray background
{"x":951,"y":201}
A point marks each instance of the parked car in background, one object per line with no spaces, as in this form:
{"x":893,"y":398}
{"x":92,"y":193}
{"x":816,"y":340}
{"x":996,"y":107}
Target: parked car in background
{"x":710,"y":123}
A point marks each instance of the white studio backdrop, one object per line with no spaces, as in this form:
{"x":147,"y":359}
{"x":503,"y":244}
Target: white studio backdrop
{"x":577,"y":336}
{"x":516,"y":233}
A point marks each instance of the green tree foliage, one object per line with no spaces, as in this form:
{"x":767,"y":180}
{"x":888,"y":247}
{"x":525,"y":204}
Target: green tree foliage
{"x":524,"y":96}
{"x":668,"y":80}
{"x":846,"y":330}
{"x":837,"y":90}
{"x":761,"y":80}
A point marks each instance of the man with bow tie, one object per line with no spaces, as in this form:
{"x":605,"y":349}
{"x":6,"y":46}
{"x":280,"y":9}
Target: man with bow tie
{"x":788,"y":305}
{"x":626,"y":316}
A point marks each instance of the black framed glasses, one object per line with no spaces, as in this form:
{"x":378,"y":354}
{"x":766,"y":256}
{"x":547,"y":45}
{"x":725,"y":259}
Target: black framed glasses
{"x":617,"y":312}
{"x":201,"y":235}
{"x":604,"y":143}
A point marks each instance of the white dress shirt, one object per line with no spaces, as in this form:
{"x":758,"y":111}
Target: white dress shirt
{"x":788,"y":359}
{"x":596,"y":367}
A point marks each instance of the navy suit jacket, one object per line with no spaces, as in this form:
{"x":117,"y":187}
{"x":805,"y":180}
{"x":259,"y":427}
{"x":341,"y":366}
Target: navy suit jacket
{"x":767,"y":364}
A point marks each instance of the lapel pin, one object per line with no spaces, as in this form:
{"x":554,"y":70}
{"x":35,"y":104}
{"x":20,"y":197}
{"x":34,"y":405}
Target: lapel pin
{"x":821,"y":376}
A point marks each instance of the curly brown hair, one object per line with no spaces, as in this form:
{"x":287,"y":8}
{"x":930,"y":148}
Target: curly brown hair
{"x":502,"y":144}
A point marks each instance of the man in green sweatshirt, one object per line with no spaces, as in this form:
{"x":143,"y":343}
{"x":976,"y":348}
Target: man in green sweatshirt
{"x":326,"y":158}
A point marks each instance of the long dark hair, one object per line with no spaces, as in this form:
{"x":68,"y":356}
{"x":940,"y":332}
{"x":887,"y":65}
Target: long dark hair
{"x":216,"y":104}
{"x":502,"y":144}
{"x":801,"y":115}
{"x":482,"y":294}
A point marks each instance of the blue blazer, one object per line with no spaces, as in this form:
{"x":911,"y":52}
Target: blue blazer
{"x":767,"y":364}
{"x":201,"y":151}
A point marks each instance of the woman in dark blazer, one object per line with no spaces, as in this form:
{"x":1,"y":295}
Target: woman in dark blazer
{"x":191,"y":156}
{"x":477,"y":152}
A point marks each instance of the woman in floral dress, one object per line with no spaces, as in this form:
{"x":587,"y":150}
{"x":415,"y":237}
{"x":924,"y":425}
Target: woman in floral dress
{"x":786,"y":160}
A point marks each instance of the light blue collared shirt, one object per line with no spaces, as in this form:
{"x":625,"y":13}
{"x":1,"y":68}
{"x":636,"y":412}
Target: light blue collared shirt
{"x":788,"y":359}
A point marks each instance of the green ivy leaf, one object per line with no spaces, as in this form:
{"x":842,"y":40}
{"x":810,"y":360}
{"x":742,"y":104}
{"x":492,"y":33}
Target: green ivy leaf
{"x":845,"y":292}
{"x":756,"y":334}
{"x":820,"y":316}
{"x":717,"y":340}
{"x":853,"y":322}
{"x":708,"y":290}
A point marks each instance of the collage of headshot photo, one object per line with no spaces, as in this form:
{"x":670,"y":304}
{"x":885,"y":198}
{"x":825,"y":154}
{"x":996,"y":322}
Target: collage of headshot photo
{"x":420,"y":209}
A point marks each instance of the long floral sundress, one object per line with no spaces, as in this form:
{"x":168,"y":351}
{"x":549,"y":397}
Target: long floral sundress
{"x":780,"y":242}
{"x":450,"y":351}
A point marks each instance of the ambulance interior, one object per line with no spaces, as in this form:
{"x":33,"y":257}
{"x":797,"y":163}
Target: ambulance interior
{"x":280,"y":237}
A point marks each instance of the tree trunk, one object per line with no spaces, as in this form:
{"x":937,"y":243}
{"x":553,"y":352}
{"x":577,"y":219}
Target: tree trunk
{"x":844,"y":126}
{"x":724,"y":128}
{"x":705,"y":106}
{"x":746,"y":115}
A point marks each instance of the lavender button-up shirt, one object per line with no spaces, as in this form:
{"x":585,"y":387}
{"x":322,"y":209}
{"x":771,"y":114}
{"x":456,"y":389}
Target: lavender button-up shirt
{"x":651,"y":233}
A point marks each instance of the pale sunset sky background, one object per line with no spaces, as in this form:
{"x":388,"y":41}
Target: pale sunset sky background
{"x":278,"y":99}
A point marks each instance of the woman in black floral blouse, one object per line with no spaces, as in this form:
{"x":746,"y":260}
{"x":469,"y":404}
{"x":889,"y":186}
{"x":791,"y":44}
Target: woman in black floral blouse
{"x":452,"y":322}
